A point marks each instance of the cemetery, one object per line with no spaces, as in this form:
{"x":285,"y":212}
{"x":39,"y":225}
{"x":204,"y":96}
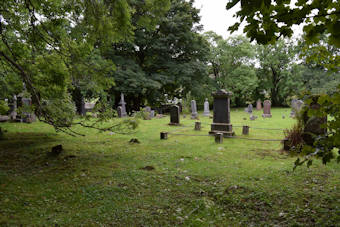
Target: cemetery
{"x":161,"y":113}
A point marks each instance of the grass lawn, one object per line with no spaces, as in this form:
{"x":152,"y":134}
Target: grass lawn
{"x":101,"y":179}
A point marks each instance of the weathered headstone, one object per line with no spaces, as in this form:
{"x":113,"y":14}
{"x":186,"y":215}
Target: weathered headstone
{"x":296,"y":105}
{"x":119,"y":111}
{"x":206,"y":111}
{"x":13,"y":108}
{"x":174,"y":115}
{"x":266,"y":108}
{"x":249,"y":109}
{"x":221,"y":118}
{"x":122,"y":103}
{"x":313,"y":126}
{"x":152,"y":114}
{"x":193,"y":109}
{"x":258,"y":105}
{"x":148,"y":109}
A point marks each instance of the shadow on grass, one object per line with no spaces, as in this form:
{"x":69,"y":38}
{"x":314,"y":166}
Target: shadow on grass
{"x":26,"y":151}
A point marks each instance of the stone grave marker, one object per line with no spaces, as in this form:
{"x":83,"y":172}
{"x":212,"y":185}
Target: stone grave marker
{"x":258,"y":105}
{"x":221,"y":119}
{"x":312,"y":124}
{"x":174,"y":115}
{"x":193,"y":109}
{"x":152,"y":114}
{"x":249,"y":109}
{"x":119,"y":111}
{"x":122,"y":103}
{"x":206,"y":111}
{"x":266,"y":109}
{"x":296,"y":105}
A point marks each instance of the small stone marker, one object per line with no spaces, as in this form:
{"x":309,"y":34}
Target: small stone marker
{"x":245,"y":130}
{"x":164,"y":135}
{"x":219,"y":137}
{"x":266,"y":109}
{"x":258,"y":105}
{"x":174,"y":115}
{"x":197,"y":126}
{"x":252,"y":117}
{"x":119,"y":111}
{"x":122,"y":103}
{"x":221,"y":119}
{"x":206,"y":111}
{"x":193,"y":109}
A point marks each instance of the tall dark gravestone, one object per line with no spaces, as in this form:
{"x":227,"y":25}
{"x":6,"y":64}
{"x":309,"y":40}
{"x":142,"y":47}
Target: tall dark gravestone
{"x":221,"y":119}
{"x":313,"y":125}
{"x":174,"y":115}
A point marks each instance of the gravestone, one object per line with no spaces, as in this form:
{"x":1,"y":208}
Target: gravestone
{"x":206,"y":111}
{"x":296,"y":105}
{"x":174,"y":115}
{"x":27,"y":116}
{"x":266,"y":109}
{"x":312,"y":124}
{"x":258,"y":105}
{"x":148,"y":109}
{"x":221,"y":118}
{"x":122,"y":103}
{"x":249,"y":109}
{"x":13,"y":108}
{"x":152,"y":114}
{"x":252,"y":117}
{"x":119,"y":111}
{"x":193,"y":109}
{"x":147,"y":113}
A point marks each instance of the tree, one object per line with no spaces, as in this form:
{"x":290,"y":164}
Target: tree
{"x":168,"y":60}
{"x":278,"y":72}
{"x":268,"y":20}
{"x":232,"y":63}
{"x":55,"y":46}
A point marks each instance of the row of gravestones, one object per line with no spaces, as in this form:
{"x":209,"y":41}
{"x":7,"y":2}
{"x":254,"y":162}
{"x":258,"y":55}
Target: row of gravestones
{"x":266,"y":109}
{"x":296,"y":106}
{"x":13,"y":115}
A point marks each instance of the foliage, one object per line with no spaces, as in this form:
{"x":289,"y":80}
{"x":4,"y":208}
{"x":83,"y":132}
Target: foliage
{"x":294,"y":137}
{"x":55,"y":47}
{"x":324,"y":145}
{"x":268,"y":20}
{"x":232,"y":64}
{"x":3,"y":107}
{"x":168,"y":60}
{"x":278,"y":73}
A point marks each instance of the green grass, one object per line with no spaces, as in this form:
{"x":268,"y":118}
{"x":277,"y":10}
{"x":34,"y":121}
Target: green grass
{"x":99,"y":180}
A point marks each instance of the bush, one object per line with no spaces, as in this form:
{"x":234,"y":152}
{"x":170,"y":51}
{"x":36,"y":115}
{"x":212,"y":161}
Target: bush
{"x":294,"y":138}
